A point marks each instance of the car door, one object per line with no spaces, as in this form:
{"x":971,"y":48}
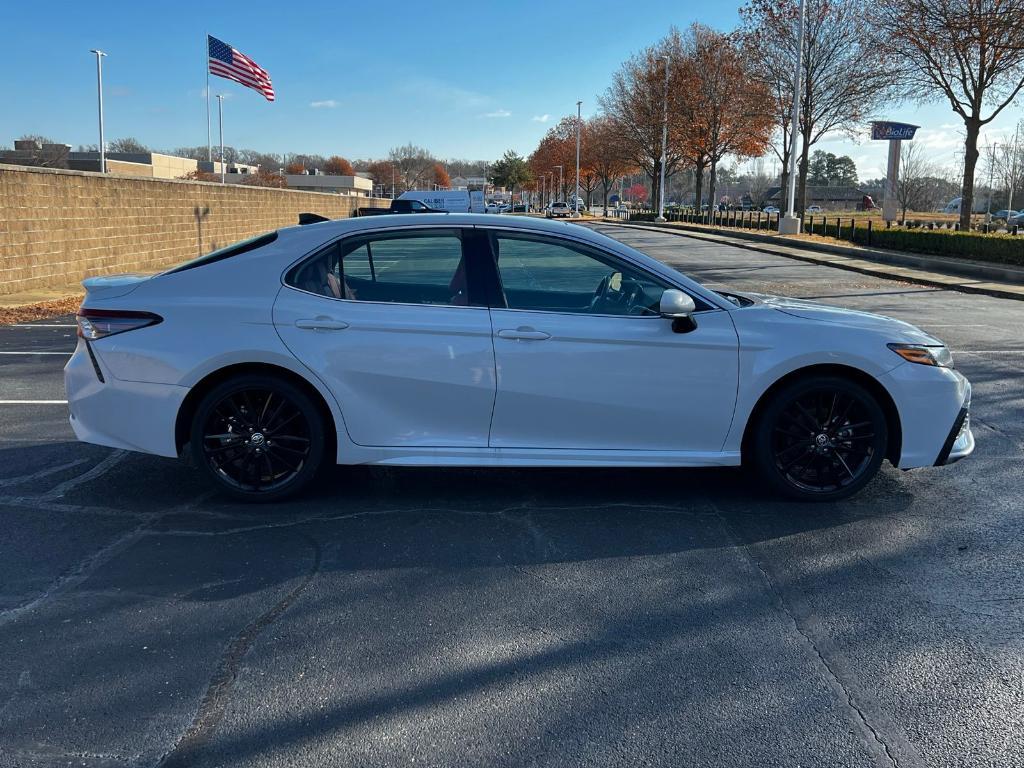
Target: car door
{"x":388,"y":322}
{"x":585,"y":361}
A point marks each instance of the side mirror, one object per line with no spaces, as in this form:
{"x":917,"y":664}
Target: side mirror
{"x":679,"y":308}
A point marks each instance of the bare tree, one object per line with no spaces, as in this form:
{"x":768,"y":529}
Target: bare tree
{"x":914,"y":184}
{"x":758,"y":183}
{"x":842,"y":80}
{"x":1010,"y":166}
{"x":127,"y":145}
{"x":970,"y":52}
{"x":415,"y":165}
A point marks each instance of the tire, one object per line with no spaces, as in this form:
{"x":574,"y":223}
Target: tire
{"x":820,"y":438}
{"x":258,"y":437}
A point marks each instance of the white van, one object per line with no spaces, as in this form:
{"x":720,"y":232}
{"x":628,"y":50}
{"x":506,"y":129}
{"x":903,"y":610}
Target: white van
{"x":452,"y":200}
{"x":953,"y":206}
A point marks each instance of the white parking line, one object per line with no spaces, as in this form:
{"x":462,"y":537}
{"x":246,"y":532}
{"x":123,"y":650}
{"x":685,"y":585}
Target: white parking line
{"x":33,"y":402}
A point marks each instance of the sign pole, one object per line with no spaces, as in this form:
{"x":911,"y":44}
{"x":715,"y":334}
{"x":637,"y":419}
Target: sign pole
{"x":894,"y":133}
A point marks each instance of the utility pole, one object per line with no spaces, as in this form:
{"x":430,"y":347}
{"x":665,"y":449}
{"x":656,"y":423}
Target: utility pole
{"x":579,"y":125}
{"x":991,"y":170}
{"x":561,"y":186}
{"x":664,"y":146}
{"x":99,"y":95}
{"x":790,"y":223}
{"x":1014,"y":152}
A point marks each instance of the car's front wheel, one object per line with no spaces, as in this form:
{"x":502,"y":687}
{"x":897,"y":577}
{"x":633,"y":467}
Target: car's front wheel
{"x":820,"y":438}
{"x":260,"y":438}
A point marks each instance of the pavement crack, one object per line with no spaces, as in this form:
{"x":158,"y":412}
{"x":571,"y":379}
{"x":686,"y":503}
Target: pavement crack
{"x":876,"y":745}
{"x":218,"y":692}
{"x":22,"y":479}
{"x":87,"y":566}
{"x":100,"y":469}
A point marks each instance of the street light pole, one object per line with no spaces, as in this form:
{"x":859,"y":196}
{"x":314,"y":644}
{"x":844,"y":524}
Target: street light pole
{"x":220,"y":118}
{"x":991,"y":168}
{"x":1015,"y":150}
{"x":560,"y":184}
{"x":99,"y":95}
{"x":790,"y":223}
{"x":664,"y":147}
{"x":579,"y":125}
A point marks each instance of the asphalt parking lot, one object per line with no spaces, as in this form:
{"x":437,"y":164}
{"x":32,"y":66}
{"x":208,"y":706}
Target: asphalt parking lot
{"x":519,"y":617}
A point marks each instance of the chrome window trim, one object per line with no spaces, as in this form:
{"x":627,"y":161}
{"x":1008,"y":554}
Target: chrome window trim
{"x":359,"y":234}
{"x":702,"y":293}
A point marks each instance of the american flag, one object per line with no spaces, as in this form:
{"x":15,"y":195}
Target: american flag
{"x":228,"y":62}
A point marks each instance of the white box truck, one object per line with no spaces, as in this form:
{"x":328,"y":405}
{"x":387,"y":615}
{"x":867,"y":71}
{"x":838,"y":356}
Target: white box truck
{"x":452,"y":200}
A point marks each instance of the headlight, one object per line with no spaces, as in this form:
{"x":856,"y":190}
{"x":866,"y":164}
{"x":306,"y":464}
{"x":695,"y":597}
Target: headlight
{"x":924,"y":354}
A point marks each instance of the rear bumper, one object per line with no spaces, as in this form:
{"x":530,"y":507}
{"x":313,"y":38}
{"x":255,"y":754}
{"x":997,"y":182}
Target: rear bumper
{"x":130,"y":415}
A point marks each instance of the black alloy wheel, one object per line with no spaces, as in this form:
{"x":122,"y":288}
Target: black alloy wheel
{"x":259,"y":437}
{"x":822,"y":438}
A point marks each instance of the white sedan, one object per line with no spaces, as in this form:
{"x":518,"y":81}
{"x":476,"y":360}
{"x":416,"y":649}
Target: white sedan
{"x":473,"y":340}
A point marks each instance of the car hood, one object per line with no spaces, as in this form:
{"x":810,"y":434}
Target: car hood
{"x":850,"y":318}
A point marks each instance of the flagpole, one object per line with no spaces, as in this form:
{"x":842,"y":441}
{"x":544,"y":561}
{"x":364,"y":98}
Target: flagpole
{"x":220,"y":117}
{"x":209,"y":134}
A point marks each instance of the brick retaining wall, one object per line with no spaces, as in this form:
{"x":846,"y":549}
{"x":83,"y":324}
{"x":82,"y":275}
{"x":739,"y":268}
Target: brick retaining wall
{"x":58,"y":227}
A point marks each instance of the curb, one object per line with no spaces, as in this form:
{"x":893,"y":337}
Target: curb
{"x":987,"y":280}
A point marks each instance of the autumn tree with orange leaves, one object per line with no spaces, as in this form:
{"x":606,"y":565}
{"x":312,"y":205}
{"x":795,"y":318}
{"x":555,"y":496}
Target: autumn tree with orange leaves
{"x":441,"y":177}
{"x":558,"y":147}
{"x":606,"y":153}
{"x":338,"y":166}
{"x":726,"y":111}
{"x":636,"y":101}
{"x":294,"y":169}
{"x":384,"y":174}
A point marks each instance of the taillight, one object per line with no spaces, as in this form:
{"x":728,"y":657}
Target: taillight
{"x":98,"y":323}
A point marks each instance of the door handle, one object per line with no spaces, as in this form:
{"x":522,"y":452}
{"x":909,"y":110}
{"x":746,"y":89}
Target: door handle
{"x":321,"y":324}
{"x":524,"y":332}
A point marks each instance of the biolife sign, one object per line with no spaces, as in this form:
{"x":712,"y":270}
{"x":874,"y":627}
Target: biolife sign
{"x":894,"y":133}
{"x":882,"y":131}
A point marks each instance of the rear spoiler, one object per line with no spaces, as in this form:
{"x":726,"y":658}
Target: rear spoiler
{"x":311,"y":218}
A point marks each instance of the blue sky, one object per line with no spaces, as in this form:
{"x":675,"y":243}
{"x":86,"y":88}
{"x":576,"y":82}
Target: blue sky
{"x":466,"y":80}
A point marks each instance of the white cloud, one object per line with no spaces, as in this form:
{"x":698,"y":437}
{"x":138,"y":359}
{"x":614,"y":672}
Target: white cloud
{"x":325,"y":104}
{"x":497,"y":113}
{"x":541,"y":118}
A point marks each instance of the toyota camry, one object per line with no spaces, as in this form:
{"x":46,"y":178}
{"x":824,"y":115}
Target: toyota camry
{"x":475,"y":340}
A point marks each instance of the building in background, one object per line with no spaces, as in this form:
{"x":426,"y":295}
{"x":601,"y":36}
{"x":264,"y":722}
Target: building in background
{"x":152,"y":165}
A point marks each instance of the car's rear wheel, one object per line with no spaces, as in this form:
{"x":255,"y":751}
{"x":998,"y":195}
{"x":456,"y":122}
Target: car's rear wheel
{"x":260,"y":438}
{"x":821,"y":438}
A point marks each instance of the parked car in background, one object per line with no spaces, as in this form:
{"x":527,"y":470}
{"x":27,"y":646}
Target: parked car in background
{"x":1003,"y":215}
{"x":815,"y":209}
{"x":1016,"y":220}
{"x":558,"y":210}
{"x":770,"y":209}
{"x":467,"y":340}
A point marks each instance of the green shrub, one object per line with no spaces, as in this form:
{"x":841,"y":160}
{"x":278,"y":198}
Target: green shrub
{"x":999,"y":248}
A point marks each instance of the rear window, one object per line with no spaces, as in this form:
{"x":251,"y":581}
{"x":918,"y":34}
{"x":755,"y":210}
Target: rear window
{"x":244,"y":246}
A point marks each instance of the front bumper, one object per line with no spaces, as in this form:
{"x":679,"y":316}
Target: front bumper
{"x":960,"y":442}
